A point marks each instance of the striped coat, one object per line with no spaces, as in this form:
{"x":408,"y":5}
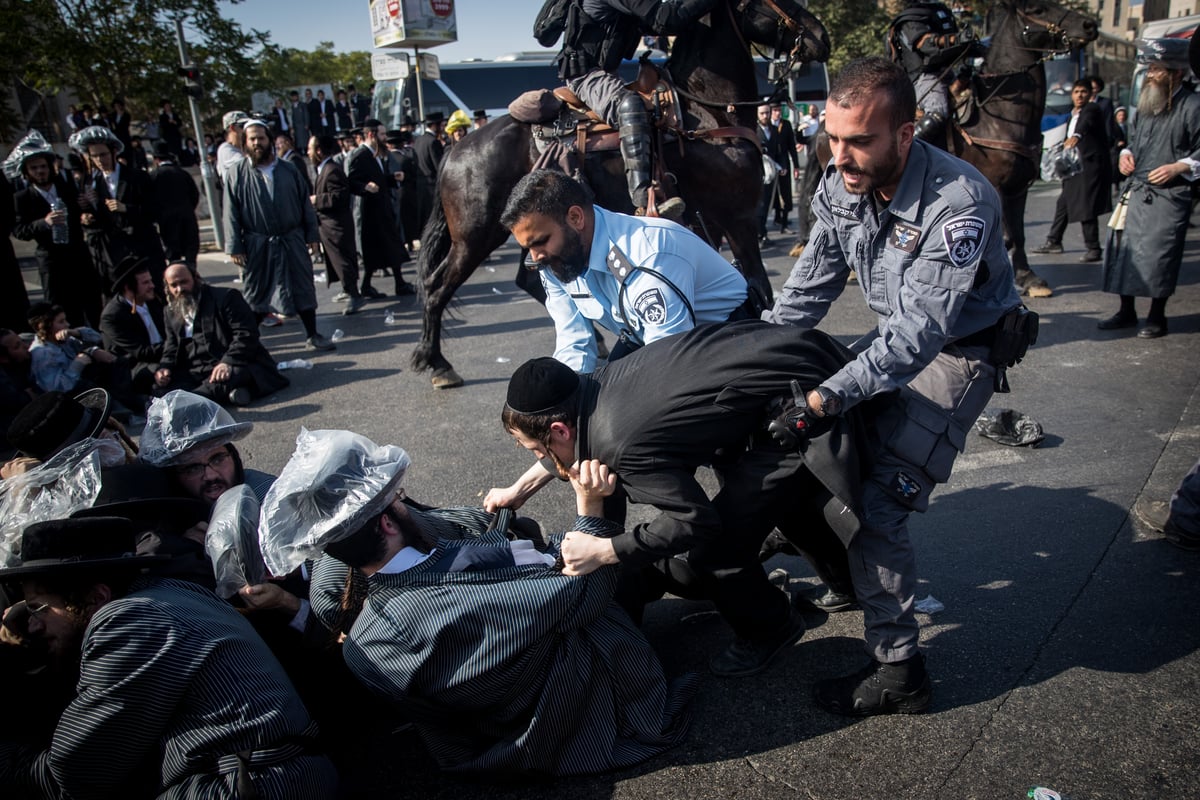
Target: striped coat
{"x":173,"y":685}
{"x":516,"y":669}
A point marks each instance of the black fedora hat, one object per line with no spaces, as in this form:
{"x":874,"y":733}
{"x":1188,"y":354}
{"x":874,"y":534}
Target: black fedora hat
{"x":434,"y":116}
{"x":162,"y":151}
{"x":72,"y":546}
{"x":480,"y":113}
{"x":55,"y":420}
{"x":126,"y":268}
{"x":173,"y":515}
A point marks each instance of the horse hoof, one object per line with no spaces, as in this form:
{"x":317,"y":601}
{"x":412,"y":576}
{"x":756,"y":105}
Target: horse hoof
{"x":447,"y":380}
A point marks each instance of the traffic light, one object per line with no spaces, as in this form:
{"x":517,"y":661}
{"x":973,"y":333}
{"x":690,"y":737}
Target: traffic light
{"x":191,"y":80}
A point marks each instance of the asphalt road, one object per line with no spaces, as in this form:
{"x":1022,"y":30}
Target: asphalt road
{"x":1066,"y":653}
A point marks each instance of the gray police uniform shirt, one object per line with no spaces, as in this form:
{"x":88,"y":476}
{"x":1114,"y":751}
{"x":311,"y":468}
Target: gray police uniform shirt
{"x":932,"y":266}
{"x":625,"y":248}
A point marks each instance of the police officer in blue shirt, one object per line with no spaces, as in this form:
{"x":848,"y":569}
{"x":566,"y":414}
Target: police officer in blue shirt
{"x":642,"y":278}
{"x":923,"y":230}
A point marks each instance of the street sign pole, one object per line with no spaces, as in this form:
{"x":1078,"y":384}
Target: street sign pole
{"x":206,"y":174}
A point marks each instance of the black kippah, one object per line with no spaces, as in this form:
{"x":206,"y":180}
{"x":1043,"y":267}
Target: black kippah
{"x":540,"y":385}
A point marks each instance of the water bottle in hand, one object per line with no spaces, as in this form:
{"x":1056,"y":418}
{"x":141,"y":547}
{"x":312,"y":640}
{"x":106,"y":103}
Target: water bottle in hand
{"x":60,"y":231}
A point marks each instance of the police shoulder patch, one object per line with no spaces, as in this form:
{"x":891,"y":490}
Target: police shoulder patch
{"x":964,"y":239}
{"x":651,"y":306}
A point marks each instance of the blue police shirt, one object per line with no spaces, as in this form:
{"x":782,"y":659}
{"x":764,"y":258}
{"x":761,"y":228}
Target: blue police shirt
{"x":652,"y":308}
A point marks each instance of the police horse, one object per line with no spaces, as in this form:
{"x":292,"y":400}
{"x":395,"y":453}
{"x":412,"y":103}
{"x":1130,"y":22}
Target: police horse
{"x":1001,"y":134}
{"x":712,"y":155}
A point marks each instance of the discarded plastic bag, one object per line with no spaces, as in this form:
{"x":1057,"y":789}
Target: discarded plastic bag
{"x":1009,"y":427}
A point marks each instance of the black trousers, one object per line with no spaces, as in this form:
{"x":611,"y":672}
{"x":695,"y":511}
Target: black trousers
{"x":1091,"y":227}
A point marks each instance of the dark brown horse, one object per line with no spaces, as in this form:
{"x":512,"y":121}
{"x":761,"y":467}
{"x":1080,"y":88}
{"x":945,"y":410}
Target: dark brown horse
{"x":719,"y":178}
{"x":1003,"y":139}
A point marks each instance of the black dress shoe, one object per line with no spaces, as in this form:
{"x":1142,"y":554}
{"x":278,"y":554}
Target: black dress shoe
{"x":404,"y":289}
{"x":1049,"y":248}
{"x":1091,"y":256}
{"x":749,"y":657}
{"x":1153,"y":330}
{"x":371,"y":293}
{"x":901,"y":688}
{"x":1117,"y":321}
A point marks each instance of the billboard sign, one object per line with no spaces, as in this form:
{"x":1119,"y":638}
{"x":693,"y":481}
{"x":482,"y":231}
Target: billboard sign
{"x":413,"y":23}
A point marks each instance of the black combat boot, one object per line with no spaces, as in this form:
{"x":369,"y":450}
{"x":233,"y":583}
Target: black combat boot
{"x":900,"y":688}
{"x":635,"y":131}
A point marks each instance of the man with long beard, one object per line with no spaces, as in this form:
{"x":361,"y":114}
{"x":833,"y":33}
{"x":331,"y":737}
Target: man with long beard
{"x":270,"y":227}
{"x":212,"y":346}
{"x":1162,"y":162}
{"x":922,"y":229}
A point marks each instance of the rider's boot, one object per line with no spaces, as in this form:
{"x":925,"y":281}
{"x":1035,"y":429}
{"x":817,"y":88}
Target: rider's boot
{"x":635,"y":131}
{"x":932,"y":128}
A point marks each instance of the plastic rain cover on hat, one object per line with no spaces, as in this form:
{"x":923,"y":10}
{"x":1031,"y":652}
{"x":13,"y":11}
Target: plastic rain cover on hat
{"x":333,"y":484}
{"x":231,"y":541}
{"x":179,"y":421}
{"x":95,"y":134}
{"x":58,"y":488}
{"x":33,"y":144}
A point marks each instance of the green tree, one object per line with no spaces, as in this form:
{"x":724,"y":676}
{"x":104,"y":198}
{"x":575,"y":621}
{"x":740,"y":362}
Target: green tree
{"x":104,"y":49}
{"x":856,"y":28}
{"x":281,"y":67}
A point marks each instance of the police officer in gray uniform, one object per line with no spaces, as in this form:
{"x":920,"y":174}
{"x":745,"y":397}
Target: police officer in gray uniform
{"x":598,"y":35}
{"x":923,"y":230}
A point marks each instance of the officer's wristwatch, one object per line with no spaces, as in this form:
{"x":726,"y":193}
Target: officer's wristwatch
{"x":831,"y":404}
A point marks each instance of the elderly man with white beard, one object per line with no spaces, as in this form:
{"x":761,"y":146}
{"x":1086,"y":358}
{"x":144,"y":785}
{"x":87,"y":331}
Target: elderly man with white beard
{"x":1162,"y":162}
{"x":212,"y":346}
{"x":270,"y":226}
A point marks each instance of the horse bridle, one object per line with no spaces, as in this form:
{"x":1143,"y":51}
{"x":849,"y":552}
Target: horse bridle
{"x":784,"y":22}
{"x":1053,"y":29}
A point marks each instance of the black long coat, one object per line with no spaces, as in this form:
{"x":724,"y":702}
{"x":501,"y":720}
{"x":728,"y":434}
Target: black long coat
{"x":428,"y":151}
{"x":176,"y":196}
{"x":68,"y":278}
{"x":225,"y":330}
{"x":113,"y":235}
{"x":125,"y":335}
{"x":381,"y":245}
{"x":335,"y":218}
{"x":1089,"y":194}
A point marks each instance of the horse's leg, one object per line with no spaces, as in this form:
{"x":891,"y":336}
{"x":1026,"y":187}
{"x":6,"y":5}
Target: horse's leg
{"x":1028,"y":281}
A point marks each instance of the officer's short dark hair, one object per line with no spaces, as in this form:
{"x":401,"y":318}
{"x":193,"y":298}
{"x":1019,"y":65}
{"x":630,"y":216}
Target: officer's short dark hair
{"x":1082,"y":83}
{"x":864,"y":78}
{"x":1098,"y":81}
{"x":544,"y":191}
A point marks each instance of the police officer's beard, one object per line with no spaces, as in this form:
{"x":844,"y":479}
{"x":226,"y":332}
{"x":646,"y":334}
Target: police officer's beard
{"x":571,"y":264}
{"x":884,"y":173}
{"x":1155,"y":97}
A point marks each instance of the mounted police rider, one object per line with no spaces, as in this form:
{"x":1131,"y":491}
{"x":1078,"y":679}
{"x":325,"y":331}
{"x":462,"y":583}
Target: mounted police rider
{"x":925,"y":39}
{"x":598,"y":35}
